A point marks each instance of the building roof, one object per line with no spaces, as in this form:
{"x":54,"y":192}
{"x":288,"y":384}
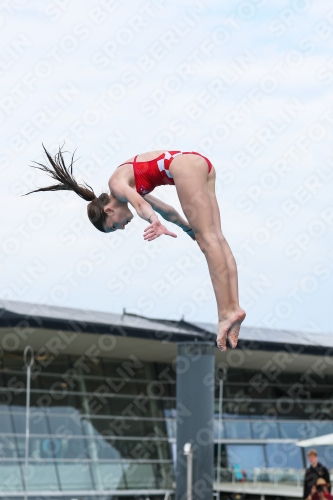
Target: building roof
{"x":262,"y":334}
{"x":13,"y":313}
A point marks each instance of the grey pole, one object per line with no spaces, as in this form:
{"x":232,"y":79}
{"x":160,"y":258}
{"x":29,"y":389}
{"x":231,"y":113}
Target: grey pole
{"x":29,"y":364}
{"x":219,"y":444}
{"x":218,"y":469}
{"x":189,"y":453}
{"x":195,"y":418}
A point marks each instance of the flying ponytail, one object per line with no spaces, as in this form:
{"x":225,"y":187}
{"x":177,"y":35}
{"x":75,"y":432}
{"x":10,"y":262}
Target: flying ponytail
{"x":64,"y":175}
{"x":66,"y":182}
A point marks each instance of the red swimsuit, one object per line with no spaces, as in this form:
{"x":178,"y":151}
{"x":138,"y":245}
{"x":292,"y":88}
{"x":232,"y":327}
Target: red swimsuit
{"x":152,"y":173}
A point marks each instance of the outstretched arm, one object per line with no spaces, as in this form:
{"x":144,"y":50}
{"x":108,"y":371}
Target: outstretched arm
{"x":170,"y":214}
{"x":143,"y":208}
{"x":167,"y":212}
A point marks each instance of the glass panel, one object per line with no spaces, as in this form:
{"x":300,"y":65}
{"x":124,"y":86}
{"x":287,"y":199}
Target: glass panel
{"x":169,"y":389}
{"x":245,"y":458}
{"x":294,"y":430}
{"x":5,"y":398}
{"x":284,"y":455}
{"x":233,"y":409}
{"x":88,"y":428}
{"x":236,"y":375}
{"x":141,"y":387}
{"x":319,"y":428}
{"x":89,"y":385}
{"x":74,"y":476}
{"x":169,"y":412}
{"x":86,"y":366}
{"x":238,"y":430}
{"x":7,"y":447}
{"x":220,"y":448}
{"x":42,"y":476}
{"x":119,"y":406}
{"x":147,"y":428}
{"x":164,"y":474}
{"x":20,"y":442}
{"x":68,"y":447}
{"x":58,"y":364}
{"x":39,"y":447}
{"x":70,"y":424}
{"x":123,"y":427}
{"x":148,"y":449}
{"x":325,"y":455}
{"x":100,"y":448}
{"x":18,"y":399}
{"x":19,"y":422}
{"x":246,"y":408}
{"x":35,"y":381}
{"x":135,"y":449}
{"x":124,"y":369}
{"x":15,"y":381}
{"x":126,"y":407}
{"x":240,"y":391}
{"x":119,"y":386}
{"x":69,"y":410}
{"x":109,"y":406}
{"x":12,"y":361}
{"x":56,"y":383}
{"x":38,"y":421}
{"x":61,"y":402}
{"x":296,"y":411}
{"x":5,"y":421}
{"x":17,"y":409}
{"x":263,"y":429}
{"x":108,"y":476}
{"x":169,"y":405}
{"x":10,"y":477}
{"x":140,"y":476}
{"x":57,"y":447}
{"x":172,"y":428}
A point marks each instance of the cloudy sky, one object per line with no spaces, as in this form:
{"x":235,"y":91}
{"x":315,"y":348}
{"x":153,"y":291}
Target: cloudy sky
{"x":247,"y":83}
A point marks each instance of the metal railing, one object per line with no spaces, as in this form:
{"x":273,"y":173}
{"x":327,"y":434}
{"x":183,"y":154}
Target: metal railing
{"x":262,"y":475}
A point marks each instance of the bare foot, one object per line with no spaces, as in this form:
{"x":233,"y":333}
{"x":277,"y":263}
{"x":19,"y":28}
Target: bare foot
{"x":228,"y":328}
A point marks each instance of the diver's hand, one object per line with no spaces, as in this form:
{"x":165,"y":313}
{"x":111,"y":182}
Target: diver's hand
{"x":155,"y":230}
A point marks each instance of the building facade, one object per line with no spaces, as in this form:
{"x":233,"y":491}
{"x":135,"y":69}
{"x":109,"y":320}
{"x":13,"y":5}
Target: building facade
{"x":103,"y":397}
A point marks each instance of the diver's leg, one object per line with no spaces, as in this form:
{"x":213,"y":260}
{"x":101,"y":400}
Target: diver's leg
{"x":231,"y":263}
{"x":191,"y":176}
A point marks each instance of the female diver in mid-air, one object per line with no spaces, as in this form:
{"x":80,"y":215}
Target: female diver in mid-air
{"x":194,"y":178}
